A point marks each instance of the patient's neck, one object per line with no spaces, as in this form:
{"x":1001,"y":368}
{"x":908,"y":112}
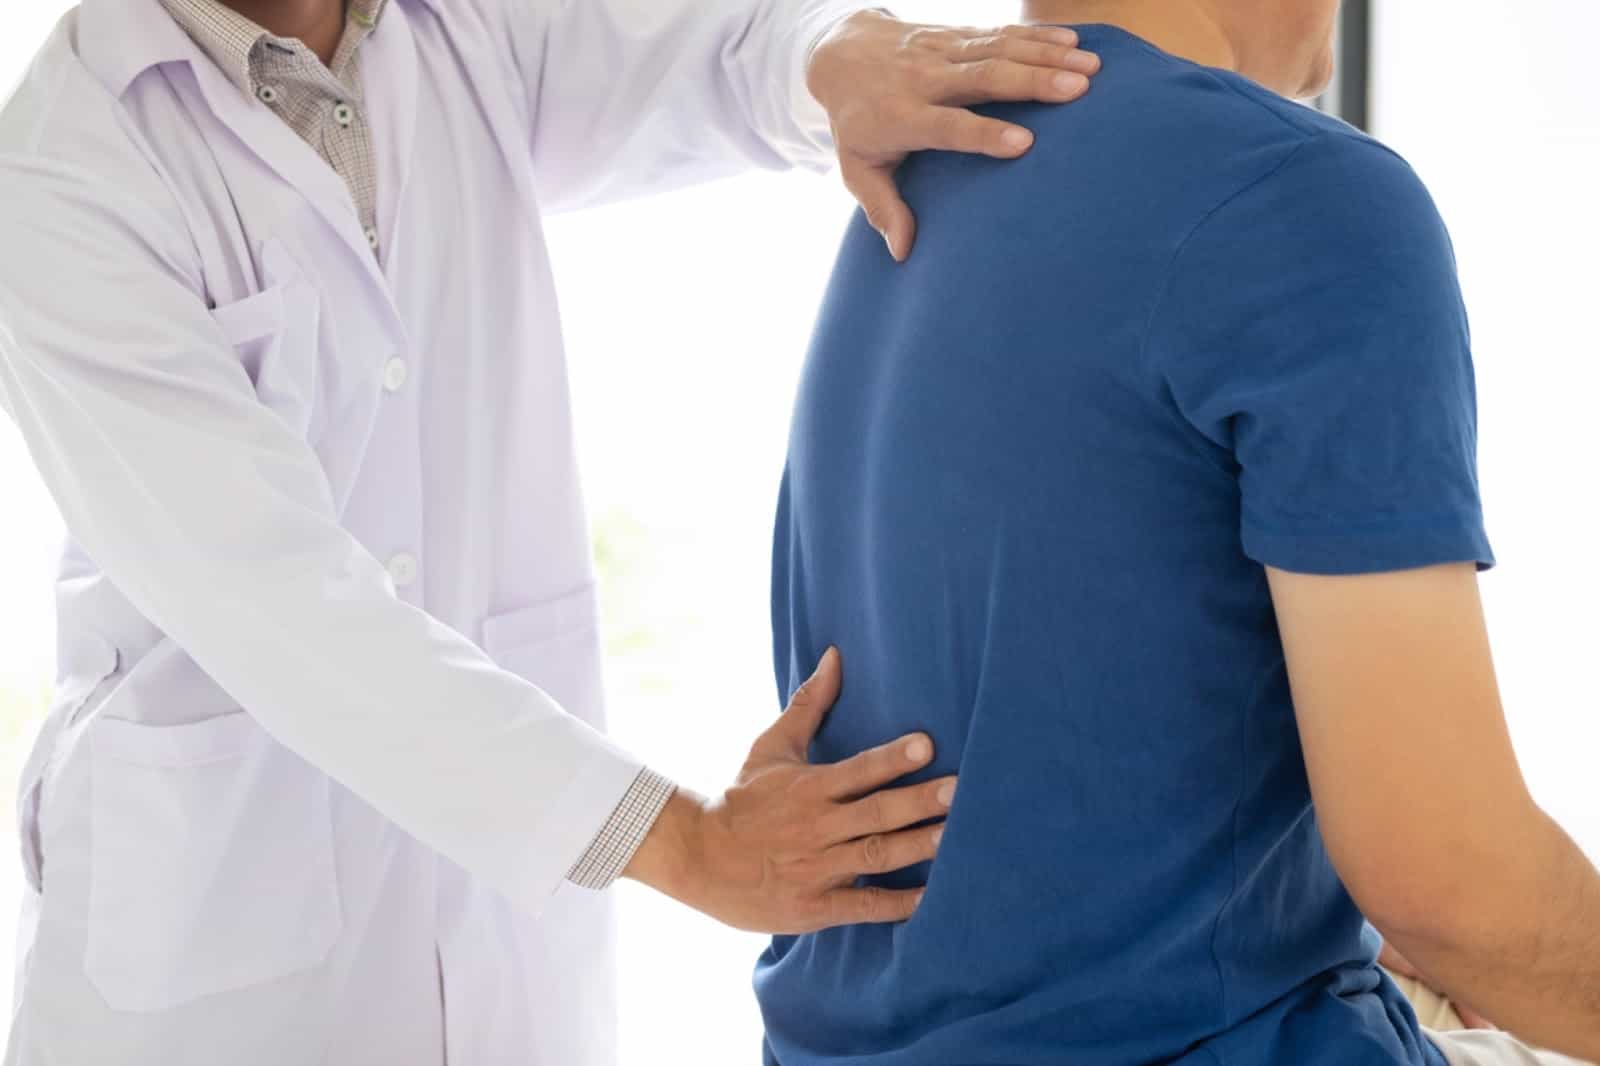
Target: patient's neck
{"x":1187,"y":28}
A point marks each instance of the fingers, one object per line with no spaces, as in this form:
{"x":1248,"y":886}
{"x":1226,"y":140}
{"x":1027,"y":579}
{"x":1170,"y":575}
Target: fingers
{"x":953,"y":129}
{"x":890,"y":810}
{"x":809,"y":705}
{"x":882,"y":853}
{"x":873,"y":187}
{"x":871,"y":905}
{"x":876,"y":767}
{"x":1035,"y":53}
{"x":989,"y":80}
{"x":1064,"y":36}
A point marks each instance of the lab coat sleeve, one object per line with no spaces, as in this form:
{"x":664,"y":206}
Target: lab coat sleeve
{"x":216,"y":520}
{"x":637,"y":96}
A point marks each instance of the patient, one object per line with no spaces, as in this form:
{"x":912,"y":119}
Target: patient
{"x":1170,"y":416}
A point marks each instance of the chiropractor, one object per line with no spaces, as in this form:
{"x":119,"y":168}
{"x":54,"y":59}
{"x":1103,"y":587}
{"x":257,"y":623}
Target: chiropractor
{"x":324,"y":780}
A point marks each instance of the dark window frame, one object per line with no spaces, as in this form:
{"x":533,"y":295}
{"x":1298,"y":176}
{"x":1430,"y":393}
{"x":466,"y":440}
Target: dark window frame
{"x":1350,"y":94}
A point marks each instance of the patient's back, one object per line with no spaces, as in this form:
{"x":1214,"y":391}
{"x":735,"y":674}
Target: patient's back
{"x":1033,"y":477}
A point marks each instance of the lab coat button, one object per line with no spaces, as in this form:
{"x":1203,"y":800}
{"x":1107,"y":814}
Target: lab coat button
{"x":403,"y":569}
{"x":267,"y":94}
{"x":395,"y":374}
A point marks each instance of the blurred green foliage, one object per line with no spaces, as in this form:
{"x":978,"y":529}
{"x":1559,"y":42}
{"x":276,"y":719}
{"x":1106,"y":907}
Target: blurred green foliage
{"x":19,"y":707}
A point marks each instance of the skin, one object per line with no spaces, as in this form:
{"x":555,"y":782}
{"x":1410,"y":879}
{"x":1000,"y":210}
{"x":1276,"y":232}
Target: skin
{"x":1422,"y":804}
{"x":1417,"y":790}
{"x":780,"y":850}
{"x":318,"y":24}
{"x":819,"y":828}
{"x":1285,"y":45}
{"x":890,"y":88}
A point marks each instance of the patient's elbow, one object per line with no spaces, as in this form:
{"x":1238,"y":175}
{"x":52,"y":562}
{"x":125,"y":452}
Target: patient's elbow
{"x":1434,"y":894}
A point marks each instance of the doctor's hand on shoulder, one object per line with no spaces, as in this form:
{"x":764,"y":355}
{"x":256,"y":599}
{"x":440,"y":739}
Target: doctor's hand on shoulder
{"x":781,"y":850}
{"x":891,"y":88}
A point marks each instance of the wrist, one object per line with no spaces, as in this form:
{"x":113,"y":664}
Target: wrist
{"x":670,"y":858}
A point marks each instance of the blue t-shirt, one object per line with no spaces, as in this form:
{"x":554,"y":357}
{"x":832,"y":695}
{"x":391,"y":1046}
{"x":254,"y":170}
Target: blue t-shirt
{"x":1034,"y":476}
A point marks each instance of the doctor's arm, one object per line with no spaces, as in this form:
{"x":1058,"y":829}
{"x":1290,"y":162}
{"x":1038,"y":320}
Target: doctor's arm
{"x":216,"y":520}
{"x":1423,"y":807}
{"x":634,"y":96}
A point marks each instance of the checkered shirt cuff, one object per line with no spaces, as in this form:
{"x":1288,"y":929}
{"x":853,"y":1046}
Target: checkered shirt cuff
{"x":623,"y":832}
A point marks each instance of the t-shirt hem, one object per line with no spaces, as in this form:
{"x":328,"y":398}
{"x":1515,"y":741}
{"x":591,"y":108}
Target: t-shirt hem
{"x":1400,"y":545}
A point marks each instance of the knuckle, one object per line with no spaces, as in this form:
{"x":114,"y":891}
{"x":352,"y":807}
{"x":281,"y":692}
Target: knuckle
{"x":806,"y":871}
{"x":920,"y":75}
{"x":973,"y":47}
{"x":810,"y":911}
{"x":892,"y":111}
{"x":875,"y":809}
{"x":802,"y":794}
{"x":874,"y":853}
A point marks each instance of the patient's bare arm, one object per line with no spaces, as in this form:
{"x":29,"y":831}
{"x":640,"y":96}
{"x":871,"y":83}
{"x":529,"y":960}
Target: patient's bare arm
{"x":1423,"y":807}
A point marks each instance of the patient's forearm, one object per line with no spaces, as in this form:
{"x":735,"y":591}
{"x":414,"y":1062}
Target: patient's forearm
{"x":1521,"y":942}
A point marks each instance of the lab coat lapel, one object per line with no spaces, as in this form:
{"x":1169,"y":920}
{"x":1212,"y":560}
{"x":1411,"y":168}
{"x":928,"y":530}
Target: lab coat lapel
{"x":123,"y":38}
{"x":296,"y":162}
{"x":389,"y":69}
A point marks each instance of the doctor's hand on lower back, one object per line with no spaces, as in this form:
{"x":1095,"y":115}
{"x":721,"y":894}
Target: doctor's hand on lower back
{"x":892,"y":88}
{"x":781,"y":850}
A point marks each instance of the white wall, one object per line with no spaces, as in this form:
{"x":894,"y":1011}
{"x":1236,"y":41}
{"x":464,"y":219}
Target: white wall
{"x":1498,"y":108}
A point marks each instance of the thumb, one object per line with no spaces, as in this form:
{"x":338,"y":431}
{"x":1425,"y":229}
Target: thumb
{"x":810,"y":705}
{"x":872,"y":184}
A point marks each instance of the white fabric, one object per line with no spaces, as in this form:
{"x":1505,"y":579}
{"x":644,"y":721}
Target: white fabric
{"x":1477,"y":1047}
{"x":377,"y":568}
{"x":1433,"y":1010}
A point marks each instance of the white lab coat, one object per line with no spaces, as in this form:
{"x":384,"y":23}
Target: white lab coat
{"x":299,"y":799}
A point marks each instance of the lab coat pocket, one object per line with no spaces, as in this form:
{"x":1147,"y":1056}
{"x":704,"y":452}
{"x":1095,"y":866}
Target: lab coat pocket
{"x":274,"y":332}
{"x":88,"y":664}
{"x":555,"y":645}
{"x":211,"y":860}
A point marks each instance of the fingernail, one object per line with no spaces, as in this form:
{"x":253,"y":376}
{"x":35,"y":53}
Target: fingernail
{"x":1016,"y":138}
{"x":918,"y":750}
{"x":938,"y":835}
{"x":887,"y":243}
{"x":947,"y":793}
{"x":1068,"y":82}
{"x":1085,"y":63}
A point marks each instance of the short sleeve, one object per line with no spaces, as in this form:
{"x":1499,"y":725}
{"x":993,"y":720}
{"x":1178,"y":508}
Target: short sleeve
{"x":1312,"y":334}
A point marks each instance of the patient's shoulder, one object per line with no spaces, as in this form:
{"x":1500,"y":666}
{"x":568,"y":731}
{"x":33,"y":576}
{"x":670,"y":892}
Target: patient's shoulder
{"x":1254,"y":159}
